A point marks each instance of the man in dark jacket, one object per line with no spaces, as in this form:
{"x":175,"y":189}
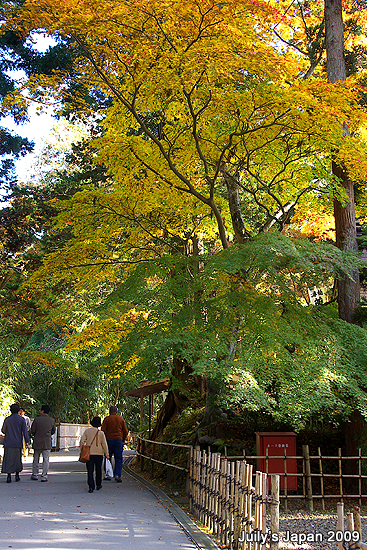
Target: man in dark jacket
{"x":115,"y":430}
{"x":15,"y":430}
{"x":43,"y":427}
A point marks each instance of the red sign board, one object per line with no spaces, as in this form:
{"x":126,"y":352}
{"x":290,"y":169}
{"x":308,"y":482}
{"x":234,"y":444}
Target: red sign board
{"x":278,"y":444}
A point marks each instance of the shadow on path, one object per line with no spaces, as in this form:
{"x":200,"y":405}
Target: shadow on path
{"x":62,"y":515}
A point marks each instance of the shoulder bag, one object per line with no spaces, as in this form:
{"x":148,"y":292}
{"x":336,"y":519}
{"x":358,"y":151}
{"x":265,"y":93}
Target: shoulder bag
{"x":85,"y":451}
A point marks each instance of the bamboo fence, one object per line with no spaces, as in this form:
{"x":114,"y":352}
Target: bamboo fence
{"x":225,"y":495}
{"x":320,"y":478}
{"x":230,"y":495}
{"x":223,"y":498}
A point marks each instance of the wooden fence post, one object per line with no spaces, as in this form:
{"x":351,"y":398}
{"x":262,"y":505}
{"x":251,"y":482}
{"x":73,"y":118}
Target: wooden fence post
{"x":274,"y":510}
{"x":306,"y":455}
{"x":138,"y":443}
{"x":187,"y":481}
{"x":191,"y":476}
{"x":217,"y":524}
{"x":350,"y":522}
{"x":258,"y":514}
{"x":152,"y":461}
{"x":321,"y":480}
{"x":237,"y":515}
{"x":285,"y":482}
{"x":249,"y":500}
{"x":169,"y":469}
{"x":341,"y":523}
{"x":264,"y":493}
{"x":142,"y":453}
{"x":357,"y":521}
{"x":360,"y":476}
{"x":340,"y":474}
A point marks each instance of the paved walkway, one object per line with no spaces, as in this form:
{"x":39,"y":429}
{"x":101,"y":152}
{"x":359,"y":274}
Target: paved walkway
{"x":62,"y":515}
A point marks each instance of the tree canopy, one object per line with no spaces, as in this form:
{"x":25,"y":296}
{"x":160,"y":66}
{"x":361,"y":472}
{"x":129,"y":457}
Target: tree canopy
{"x":179,"y":239}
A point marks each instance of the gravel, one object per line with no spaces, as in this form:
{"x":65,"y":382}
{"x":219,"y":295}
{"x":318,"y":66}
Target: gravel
{"x":313,"y":531}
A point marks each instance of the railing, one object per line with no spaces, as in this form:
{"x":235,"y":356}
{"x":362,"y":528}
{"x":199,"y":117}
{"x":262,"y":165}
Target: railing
{"x":140,"y":445}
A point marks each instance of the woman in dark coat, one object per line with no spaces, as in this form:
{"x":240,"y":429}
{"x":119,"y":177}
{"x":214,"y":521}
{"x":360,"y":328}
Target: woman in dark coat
{"x":14,"y":428}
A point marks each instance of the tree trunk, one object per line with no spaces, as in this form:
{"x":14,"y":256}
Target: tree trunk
{"x":234,"y":204}
{"x":346,"y":239}
{"x":179,"y":397}
{"x":334,"y":31}
{"x":345,"y":220}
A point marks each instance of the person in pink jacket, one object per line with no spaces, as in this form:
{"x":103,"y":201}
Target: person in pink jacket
{"x":98,"y":447}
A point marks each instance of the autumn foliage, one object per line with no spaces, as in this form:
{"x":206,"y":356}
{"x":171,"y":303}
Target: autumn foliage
{"x":212,"y":139}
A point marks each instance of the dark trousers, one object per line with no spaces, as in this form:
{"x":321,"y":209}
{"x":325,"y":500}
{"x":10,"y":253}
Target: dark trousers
{"x":94,"y":463}
{"x":115,"y":448}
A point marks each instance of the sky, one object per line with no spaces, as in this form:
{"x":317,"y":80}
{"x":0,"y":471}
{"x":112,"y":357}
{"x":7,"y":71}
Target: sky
{"x":37,"y":129}
{"x":39,"y":126}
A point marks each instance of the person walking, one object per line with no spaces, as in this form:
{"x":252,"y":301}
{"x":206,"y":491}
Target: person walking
{"x":98,"y":447}
{"x":14,"y":428}
{"x":28,"y":424}
{"x":26,"y":418}
{"x":115,"y":429}
{"x":43,"y":427}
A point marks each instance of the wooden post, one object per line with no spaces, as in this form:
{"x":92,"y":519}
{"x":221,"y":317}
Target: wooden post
{"x":350,"y":522}
{"x":141,"y":411}
{"x":340,"y":474}
{"x":225,"y":511}
{"x":152,"y":461}
{"x":212,"y":497}
{"x":205,"y":489}
{"x":233,"y":499}
{"x":360,"y":476}
{"x":217,"y":494}
{"x":197,"y":482}
{"x":357,"y":521}
{"x":169,"y":461}
{"x":304,"y":480}
{"x":247,"y":502}
{"x":258,"y":516}
{"x":150,"y":415}
{"x":285,"y":481}
{"x":138,"y":439}
{"x":306,"y":455}
{"x":191,"y":476}
{"x":274,"y":509}
{"x":142,"y":453}
{"x":321,"y":480}
{"x":237,"y":504}
{"x":340,"y":523}
{"x":187,"y":482}
{"x":203,"y":486}
{"x":264,"y":493}
{"x":221,"y":499}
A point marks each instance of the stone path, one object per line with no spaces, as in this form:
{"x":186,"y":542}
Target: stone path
{"x":62,"y":515}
